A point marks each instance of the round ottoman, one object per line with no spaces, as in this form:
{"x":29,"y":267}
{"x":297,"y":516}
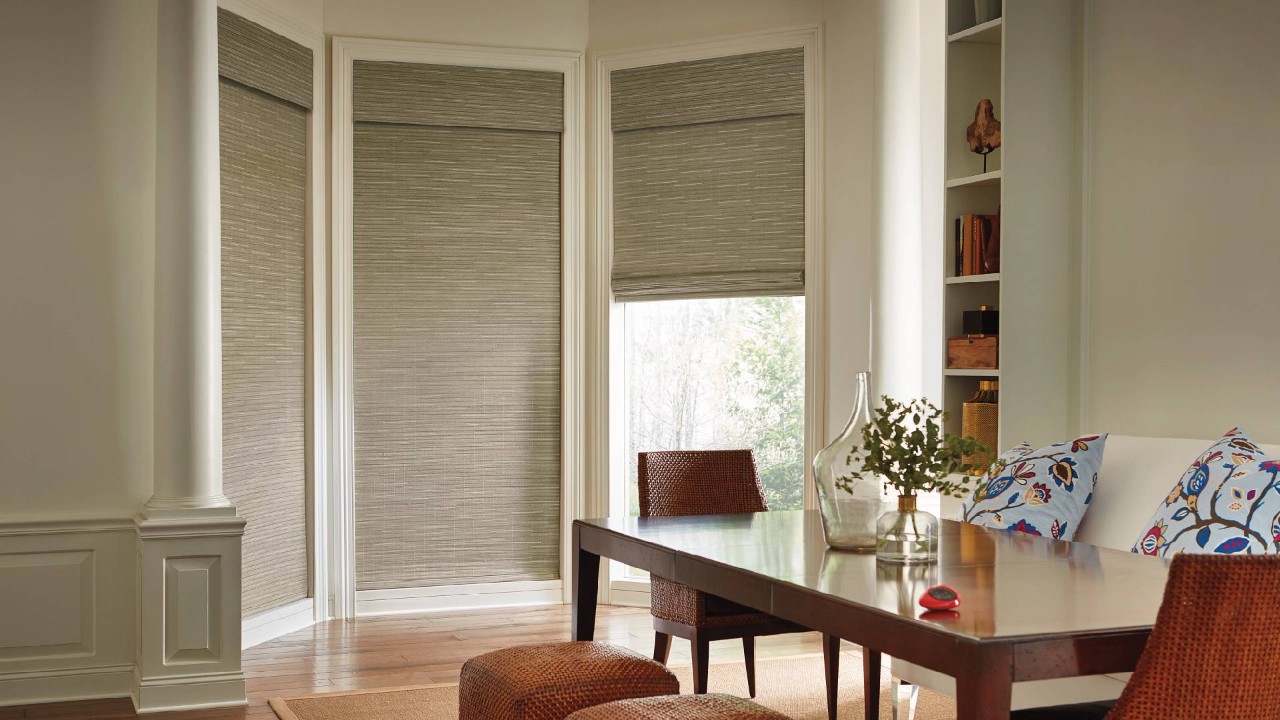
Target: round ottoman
{"x":548,"y":682}
{"x":680,"y":707}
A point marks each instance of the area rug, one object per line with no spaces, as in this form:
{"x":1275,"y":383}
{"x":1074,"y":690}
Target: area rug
{"x":792,"y":686}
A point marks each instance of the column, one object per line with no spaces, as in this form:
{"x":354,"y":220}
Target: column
{"x":188,"y":533}
{"x":188,"y":306}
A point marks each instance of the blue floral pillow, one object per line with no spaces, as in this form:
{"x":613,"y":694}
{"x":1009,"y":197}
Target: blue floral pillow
{"x":1039,"y":492}
{"x":1227,"y":502}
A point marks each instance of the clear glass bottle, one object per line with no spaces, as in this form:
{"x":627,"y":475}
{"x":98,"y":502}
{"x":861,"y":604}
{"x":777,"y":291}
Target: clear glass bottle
{"x":849,"y":516}
{"x":908,"y":534}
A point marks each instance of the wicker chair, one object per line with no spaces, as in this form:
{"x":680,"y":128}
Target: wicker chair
{"x":710,"y":482}
{"x":1213,"y":652}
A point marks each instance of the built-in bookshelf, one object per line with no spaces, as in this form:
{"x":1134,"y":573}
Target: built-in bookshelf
{"x":1026,"y":63}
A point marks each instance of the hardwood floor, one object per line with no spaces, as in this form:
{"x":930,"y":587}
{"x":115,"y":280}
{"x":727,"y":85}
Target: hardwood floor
{"x":398,"y":650}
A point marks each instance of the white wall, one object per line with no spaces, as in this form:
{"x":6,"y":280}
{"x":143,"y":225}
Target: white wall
{"x":1182,"y":334}
{"x":544,"y":24}
{"x":851,"y":31}
{"x":77,"y":184}
{"x":77,"y":217}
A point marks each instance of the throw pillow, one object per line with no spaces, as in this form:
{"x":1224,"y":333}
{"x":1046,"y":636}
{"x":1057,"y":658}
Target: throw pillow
{"x":1039,"y":492}
{"x":1227,"y":502}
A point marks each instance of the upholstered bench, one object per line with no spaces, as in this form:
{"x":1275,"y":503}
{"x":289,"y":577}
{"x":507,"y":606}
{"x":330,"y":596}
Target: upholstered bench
{"x":1136,"y":475}
{"x":680,"y":707}
{"x":549,"y":682}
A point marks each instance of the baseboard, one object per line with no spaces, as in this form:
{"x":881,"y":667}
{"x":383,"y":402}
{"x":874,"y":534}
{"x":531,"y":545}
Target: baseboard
{"x":188,"y":692}
{"x":87,"y":683}
{"x":629,"y":593}
{"x":459,"y":597}
{"x":269,"y":625}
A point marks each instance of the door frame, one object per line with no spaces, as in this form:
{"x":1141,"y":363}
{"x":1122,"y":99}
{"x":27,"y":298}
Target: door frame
{"x":341,"y":549}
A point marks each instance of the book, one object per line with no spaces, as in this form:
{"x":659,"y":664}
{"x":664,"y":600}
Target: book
{"x":959,"y":267}
{"x":977,"y":244}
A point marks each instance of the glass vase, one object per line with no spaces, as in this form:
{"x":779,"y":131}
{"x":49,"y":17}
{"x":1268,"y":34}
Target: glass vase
{"x":849,"y":515}
{"x":907,"y":535}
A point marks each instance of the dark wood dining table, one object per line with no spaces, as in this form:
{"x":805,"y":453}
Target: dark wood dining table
{"x":1032,"y":608}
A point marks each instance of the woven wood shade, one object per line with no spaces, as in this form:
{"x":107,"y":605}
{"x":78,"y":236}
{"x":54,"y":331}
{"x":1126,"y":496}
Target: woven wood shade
{"x":457,"y":352}
{"x":708,"y":178}
{"x":454,"y":96}
{"x":264,"y":205}
{"x":258,"y":58}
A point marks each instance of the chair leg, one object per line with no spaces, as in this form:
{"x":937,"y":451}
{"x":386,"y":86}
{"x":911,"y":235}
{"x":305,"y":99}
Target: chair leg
{"x":831,"y":662}
{"x":749,"y":653}
{"x":871,"y":682}
{"x":661,"y":647}
{"x":904,"y":700}
{"x":700,"y":647}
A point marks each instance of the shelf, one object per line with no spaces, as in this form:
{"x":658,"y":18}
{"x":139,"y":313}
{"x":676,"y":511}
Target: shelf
{"x":966,"y":279}
{"x":987,"y":178}
{"x":988,"y":33}
{"x":950,"y":372}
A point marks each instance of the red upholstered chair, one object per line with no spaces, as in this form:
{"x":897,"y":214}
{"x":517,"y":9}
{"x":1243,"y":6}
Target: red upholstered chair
{"x":1213,"y":652}
{"x":710,"y":482}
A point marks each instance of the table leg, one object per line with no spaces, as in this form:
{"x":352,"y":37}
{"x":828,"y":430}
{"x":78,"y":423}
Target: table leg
{"x":870,"y":683}
{"x":984,"y":685}
{"x":586,"y":587}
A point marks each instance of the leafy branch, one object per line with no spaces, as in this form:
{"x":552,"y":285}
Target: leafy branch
{"x":904,"y":443}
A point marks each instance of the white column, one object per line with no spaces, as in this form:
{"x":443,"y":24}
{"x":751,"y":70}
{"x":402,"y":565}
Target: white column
{"x":188,"y":308}
{"x":189,"y":536}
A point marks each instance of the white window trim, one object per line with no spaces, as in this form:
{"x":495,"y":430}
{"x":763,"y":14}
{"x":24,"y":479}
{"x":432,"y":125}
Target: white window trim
{"x":605,"y":441}
{"x":265,"y":626}
{"x":345,"y":51}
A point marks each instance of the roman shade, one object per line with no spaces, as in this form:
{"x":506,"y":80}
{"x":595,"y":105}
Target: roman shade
{"x":255,"y":57}
{"x":263,"y":121}
{"x":456,"y":324}
{"x":708,"y":177}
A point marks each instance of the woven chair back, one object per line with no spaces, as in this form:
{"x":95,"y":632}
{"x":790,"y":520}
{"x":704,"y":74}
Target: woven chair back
{"x":699,"y":482}
{"x":1215,"y":649}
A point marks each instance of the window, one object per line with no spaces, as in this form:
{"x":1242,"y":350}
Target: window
{"x":718,"y":374}
{"x":710,"y":222}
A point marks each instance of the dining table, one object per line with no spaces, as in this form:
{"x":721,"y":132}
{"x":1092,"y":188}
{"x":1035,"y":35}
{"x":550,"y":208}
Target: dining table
{"x":1031,"y":608}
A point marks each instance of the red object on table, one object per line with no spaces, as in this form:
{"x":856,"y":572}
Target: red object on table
{"x":939,"y":597}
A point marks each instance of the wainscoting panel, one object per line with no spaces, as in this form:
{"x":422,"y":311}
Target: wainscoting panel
{"x":192,"y":586}
{"x":67,"y":612}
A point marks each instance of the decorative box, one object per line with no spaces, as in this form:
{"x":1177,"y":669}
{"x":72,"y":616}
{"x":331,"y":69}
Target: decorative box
{"x":976,"y":353}
{"x":981,"y":322}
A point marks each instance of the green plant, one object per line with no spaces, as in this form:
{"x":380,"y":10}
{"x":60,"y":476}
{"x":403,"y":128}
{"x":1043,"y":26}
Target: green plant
{"x":904,"y":444}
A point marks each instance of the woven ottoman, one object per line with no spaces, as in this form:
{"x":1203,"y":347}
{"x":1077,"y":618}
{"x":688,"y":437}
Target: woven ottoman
{"x":680,"y":707}
{"x":549,"y":682}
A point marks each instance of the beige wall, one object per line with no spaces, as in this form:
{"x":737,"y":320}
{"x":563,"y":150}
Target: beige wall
{"x":1183,"y":262}
{"x":545,"y":24}
{"x":77,"y":183}
{"x":627,"y":24}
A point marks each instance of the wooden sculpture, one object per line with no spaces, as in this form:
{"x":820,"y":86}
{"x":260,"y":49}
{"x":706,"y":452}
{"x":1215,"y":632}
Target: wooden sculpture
{"x":983,"y":133}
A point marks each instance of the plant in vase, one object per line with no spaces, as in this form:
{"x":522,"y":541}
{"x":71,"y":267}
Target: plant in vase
{"x":905,"y":446}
